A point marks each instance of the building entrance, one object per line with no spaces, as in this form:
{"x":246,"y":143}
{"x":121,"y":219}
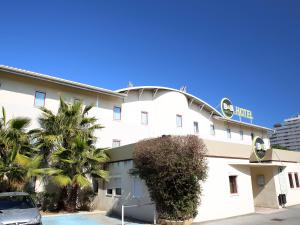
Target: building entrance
{"x":263,"y":186}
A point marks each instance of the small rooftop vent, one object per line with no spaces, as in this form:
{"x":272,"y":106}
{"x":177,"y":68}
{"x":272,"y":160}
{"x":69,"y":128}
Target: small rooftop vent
{"x":183,"y":89}
{"x":130,"y":84}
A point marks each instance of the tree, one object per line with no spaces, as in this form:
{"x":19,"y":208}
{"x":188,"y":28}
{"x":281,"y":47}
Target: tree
{"x":67,"y":142}
{"x":277,"y":146}
{"x":172,"y":167}
{"x":18,"y":160}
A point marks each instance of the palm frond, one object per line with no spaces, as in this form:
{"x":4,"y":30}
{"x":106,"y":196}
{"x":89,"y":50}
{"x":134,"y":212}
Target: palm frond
{"x":48,"y":171}
{"x":3,"y":116}
{"x":101,"y":174}
{"x":19,"y":123}
{"x":22,"y":160}
{"x":61,"y":180}
{"x":87,"y":109}
{"x":81,"y":180}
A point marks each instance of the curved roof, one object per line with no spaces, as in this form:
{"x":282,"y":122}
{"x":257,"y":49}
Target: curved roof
{"x":190,"y":97}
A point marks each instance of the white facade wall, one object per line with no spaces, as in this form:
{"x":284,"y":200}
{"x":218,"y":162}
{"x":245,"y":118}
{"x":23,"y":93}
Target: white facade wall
{"x":162,"y":110}
{"x":282,"y":183}
{"x":217,"y":201}
{"x":17,"y":96}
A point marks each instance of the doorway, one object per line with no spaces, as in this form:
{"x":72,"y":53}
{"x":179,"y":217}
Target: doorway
{"x":263,"y":187}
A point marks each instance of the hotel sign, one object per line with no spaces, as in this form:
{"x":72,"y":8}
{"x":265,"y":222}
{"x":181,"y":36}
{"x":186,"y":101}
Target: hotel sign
{"x":259,"y":148}
{"x":229,"y":110}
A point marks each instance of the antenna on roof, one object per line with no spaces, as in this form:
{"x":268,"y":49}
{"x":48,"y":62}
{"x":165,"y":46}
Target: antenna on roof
{"x":183,"y":88}
{"x":130,"y":84}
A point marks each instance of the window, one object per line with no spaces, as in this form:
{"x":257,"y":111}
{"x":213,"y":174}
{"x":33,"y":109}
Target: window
{"x":39,"y":100}
{"x":95,"y":183}
{"x":178,"y":120}
{"x":114,"y":186}
{"x":241,"y":135}
{"x":196,"y":127}
{"x":291,"y":180}
{"x":109,"y":191}
{"x":297,"y":180}
{"x":117,"y":113}
{"x":116,"y":143}
{"x":228,"y":133}
{"x":137,"y":188}
{"x":118,"y":191}
{"x":212,"y":129}
{"x":144,"y":118}
{"x":233,"y":184}
{"x":117,"y":185}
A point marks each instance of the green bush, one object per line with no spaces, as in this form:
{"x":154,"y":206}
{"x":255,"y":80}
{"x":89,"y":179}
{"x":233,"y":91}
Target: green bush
{"x":172,"y":167}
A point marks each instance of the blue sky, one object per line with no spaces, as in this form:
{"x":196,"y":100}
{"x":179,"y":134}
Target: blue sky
{"x":248,"y":51}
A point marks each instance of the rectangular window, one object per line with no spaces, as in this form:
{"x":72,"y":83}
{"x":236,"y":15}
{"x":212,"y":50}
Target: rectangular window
{"x":241,"y":135}
{"x":228,"y":133}
{"x":117,"y":113}
{"x":118,"y":191}
{"x":212,"y":129}
{"x":233,"y":184}
{"x":116,"y":143}
{"x":137,"y":188}
{"x":117,"y":182}
{"x":297,"y":180}
{"x":39,"y":100}
{"x":114,"y":186}
{"x":109,"y":191}
{"x":144,"y":118}
{"x":291,"y":180}
{"x":178,"y":120}
{"x":196,"y":127}
{"x":95,"y":183}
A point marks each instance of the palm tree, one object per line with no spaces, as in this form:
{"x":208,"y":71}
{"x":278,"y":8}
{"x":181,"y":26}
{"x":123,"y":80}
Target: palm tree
{"x":67,"y":142}
{"x":18,"y":160}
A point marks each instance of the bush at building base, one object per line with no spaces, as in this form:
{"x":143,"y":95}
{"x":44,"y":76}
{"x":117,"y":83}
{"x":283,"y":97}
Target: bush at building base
{"x":172,"y":167}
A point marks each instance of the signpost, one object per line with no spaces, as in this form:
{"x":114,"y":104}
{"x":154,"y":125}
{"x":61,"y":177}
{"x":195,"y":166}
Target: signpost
{"x":229,"y":110}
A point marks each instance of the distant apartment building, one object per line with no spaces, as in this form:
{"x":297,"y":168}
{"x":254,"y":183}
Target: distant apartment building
{"x":287,"y":134}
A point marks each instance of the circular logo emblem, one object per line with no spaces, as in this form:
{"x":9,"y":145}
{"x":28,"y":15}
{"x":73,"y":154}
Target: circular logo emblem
{"x":259,"y":148}
{"x":227,"y":108}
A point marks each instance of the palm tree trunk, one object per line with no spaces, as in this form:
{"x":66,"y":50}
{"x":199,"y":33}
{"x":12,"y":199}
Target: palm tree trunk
{"x":62,"y":199}
{"x":72,"y":201}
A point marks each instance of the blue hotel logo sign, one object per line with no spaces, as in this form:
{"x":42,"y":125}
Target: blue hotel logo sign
{"x":228,"y":110}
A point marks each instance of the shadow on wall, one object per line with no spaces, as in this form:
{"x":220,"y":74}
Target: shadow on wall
{"x":113,"y":205}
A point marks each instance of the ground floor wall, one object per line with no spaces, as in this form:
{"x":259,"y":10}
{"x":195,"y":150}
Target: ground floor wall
{"x":216,"y":202}
{"x":286,"y":186}
{"x":133,"y":192}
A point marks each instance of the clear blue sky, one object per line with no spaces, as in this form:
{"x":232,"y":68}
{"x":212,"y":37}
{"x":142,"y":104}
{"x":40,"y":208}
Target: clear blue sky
{"x":248,"y":51}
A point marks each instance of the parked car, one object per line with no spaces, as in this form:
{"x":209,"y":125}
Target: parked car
{"x":18,"y":208}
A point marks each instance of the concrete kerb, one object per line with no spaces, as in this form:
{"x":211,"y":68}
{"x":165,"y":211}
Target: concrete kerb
{"x":76,"y":213}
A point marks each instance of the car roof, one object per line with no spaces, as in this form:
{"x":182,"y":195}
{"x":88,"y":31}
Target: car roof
{"x":13,"y":194}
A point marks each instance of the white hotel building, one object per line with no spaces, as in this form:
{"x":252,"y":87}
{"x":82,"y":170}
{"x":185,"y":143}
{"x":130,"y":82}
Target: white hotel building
{"x":237,"y":182}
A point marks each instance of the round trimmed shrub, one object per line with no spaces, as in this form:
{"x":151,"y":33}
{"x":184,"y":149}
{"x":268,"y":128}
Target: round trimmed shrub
{"x":172,"y":168}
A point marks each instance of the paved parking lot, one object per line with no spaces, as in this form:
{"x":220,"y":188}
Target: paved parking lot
{"x":289,"y":216}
